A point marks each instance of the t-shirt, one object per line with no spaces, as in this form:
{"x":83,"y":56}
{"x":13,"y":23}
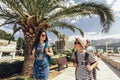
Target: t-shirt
{"x":40,"y":51}
{"x":81,"y":72}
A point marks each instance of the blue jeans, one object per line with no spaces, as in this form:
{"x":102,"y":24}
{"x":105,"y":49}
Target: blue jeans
{"x":41,"y":70}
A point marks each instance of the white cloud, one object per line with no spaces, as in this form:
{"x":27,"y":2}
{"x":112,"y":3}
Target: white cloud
{"x":10,"y":31}
{"x":109,"y":1}
{"x":115,"y":5}
{"x":95,"y":36}
{"x":73,"y":21}
{"x":1,"y":21}
{"x":69,"y":3}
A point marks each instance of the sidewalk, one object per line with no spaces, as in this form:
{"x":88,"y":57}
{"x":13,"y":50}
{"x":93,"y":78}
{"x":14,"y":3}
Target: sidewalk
{"x":106,"y":73}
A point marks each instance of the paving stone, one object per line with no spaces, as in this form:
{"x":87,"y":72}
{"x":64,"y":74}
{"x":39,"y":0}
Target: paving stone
{"x":106,"y":73}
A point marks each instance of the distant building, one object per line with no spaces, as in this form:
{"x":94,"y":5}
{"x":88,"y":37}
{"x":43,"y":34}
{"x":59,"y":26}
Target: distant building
{"x":100,"y":50}
{"x":118,"y":50}
{"x":7,"y":49}
{"x":110,"y":50}
{"x":61,"y":45}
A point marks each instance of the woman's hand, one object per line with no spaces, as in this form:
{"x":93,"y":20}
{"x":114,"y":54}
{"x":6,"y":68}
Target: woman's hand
{"x":75,"y":64}
{"x":49,"y":51}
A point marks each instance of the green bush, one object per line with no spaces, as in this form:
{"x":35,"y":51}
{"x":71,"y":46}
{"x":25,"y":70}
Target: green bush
{"x":68,"y":58}
{"x":19,"y":78}
{"x":8,"y":69}
{"x":17,"y":66}
{"x":53,"y":61}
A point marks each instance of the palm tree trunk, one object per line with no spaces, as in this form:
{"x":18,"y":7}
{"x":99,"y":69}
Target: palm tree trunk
{"x":28,"y":61}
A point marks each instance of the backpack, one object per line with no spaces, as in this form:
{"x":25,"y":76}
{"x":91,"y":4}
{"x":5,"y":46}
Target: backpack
{"x":86,"y":62}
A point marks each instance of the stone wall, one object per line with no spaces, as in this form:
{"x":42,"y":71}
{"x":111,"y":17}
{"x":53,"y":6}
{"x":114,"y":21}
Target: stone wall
{"x":114,"y":63}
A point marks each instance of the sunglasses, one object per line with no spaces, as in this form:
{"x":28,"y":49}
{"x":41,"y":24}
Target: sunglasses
{"x":43,"y":35}
{"x":77,"y":43}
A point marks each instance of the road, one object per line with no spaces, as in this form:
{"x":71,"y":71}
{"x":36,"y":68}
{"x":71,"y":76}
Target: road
{"x":107,"y":72}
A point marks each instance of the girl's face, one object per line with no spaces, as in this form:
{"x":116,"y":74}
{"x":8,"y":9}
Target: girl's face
{"x":43,"y":36}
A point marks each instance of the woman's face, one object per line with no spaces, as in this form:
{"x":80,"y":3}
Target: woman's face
{"x":43,"y":36}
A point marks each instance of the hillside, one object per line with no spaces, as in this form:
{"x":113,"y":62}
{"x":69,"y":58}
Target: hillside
{"x":111,"y":42}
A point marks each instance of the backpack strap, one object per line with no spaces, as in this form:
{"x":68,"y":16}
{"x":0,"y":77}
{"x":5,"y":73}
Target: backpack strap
{"x":86,"y":58}
{"x":76,"y":57}
{"x":46,"y":55}
{"x":35,"y":47}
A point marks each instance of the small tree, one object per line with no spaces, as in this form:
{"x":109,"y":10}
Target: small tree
{"x":20,"y":45}
{"x":69,"y":53}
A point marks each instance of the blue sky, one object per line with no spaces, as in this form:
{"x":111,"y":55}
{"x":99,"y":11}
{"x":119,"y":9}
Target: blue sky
{"x":91,"y":26}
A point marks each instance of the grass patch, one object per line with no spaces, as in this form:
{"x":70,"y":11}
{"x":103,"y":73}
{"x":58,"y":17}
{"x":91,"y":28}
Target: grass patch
{"x":18,"y":77}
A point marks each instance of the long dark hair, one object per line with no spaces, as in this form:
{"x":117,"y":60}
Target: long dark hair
{"x":38,"y":37}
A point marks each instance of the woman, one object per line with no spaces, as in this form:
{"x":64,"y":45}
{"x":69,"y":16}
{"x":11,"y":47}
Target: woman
{"x":83,"y":68}
{"x":41,"y":53}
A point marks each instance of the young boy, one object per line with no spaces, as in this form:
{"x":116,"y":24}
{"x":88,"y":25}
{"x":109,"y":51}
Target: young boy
{"x":83,"y":68}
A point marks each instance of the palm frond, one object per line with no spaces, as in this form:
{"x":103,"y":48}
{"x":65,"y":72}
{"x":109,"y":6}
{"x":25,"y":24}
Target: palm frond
{"x":77,"y":10}
{"x":40,"y":8}
{"x":87,"y":8}
{"x":7,"y":14}
{"x":57,"y":33}
{"x":104,"y":12}
{"x":53,"y":10}
{"x":17,"y":29}
{"x":66,"y":25}
{"x":15,"y":6}
{"x":6,"y":23}
{"x":80,"y":30}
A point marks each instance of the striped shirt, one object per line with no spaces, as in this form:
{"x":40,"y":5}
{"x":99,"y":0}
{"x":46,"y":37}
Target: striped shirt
{"x":81,"y":72}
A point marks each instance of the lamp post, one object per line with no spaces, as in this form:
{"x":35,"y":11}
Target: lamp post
{"x":107,"y":49}
{"x":106,"y":46}
{"x":110,"y":48}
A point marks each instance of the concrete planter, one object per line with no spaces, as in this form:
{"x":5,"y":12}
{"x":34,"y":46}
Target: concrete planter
{"x":114,"y":63}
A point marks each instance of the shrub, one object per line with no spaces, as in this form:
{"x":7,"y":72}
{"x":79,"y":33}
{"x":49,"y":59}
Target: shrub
{"x":68,"y":58}
{"x":53,"y":61}
{"x":17,"y":66}
{"x":8,"y":69}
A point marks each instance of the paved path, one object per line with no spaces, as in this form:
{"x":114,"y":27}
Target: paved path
{"x":106,"y":73}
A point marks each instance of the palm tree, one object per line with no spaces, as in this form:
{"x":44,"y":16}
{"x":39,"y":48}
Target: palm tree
{"x":32,"y":15}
